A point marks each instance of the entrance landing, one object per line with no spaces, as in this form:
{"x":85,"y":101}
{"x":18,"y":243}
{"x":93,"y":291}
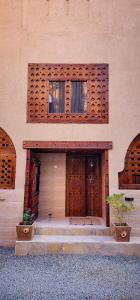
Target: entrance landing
{"x":67,"y":226}
{"x":68,"y":221}
{"x":58,"y":236}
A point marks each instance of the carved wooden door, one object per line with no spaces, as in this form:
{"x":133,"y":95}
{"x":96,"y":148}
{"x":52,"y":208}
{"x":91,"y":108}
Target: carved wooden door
{"x":34,"y":186}
{"x":75,"y":200}
{"x":93,"y":186}
{"x":83,"y":196}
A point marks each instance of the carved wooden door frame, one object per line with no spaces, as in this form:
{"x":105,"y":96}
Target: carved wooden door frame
{"x":67,"y":146}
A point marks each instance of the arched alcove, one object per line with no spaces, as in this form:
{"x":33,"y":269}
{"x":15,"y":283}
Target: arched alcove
{"x":129,"y":178}
{"x":7,"y":161}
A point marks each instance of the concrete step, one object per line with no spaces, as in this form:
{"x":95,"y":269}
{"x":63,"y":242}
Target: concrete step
{"x":83,"y":245}
{"x":72,"y":230}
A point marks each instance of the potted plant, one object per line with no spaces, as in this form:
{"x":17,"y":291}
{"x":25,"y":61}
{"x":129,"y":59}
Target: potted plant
{"x":25,"y":229}
{"x":120,"y":208}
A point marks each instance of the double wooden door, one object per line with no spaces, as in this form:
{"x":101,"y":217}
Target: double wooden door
{"x":83,"y":185}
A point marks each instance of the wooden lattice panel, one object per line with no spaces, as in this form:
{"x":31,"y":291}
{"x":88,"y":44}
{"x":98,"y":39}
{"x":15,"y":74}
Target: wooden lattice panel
{"x":7,"y":161}
{"x":6,"y":144}
{"x":129,"y":178}
{"x":7,"y":171}
{"x":96,"y":76}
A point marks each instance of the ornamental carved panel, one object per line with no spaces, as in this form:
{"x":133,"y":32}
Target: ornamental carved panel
{"x":129,"y":178}
{"x":93,"y":78}
{"x":7,"y":161}
{"x":83,"y":185}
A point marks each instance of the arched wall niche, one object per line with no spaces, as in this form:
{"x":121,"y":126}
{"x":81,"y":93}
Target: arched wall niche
{"x":129,"y":178}
{"x":7,"y":161}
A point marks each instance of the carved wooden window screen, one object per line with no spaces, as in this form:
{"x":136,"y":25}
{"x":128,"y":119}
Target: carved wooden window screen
{"x":129,"y":178}
{"x":7,"y":161}
{"x":96,"y":77}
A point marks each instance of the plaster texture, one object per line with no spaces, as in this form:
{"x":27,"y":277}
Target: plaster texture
{"x":81,"y":31}
{"x":52,"y":185}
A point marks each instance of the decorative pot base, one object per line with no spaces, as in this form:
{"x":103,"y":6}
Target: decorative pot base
{"x":122,"y":232}
{"x":25,"y":232}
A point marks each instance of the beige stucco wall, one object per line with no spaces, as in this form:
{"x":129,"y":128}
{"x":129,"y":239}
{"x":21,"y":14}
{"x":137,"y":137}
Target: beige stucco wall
{"x":81,"y":31}
{"x":52,"y":185}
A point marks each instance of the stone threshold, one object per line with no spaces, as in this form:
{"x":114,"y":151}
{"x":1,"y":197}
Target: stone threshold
{"x":82,"y":245}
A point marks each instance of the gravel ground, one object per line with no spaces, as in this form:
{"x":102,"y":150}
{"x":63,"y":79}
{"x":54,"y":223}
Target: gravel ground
{"x":68,"y":277}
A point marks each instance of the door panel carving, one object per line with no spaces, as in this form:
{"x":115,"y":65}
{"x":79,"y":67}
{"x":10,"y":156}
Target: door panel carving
{"x":83,"y":186}
{"x":75,"y":206}
{"x":93,"y":186}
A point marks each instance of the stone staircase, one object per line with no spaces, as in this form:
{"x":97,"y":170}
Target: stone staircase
{"x":64,"y":238}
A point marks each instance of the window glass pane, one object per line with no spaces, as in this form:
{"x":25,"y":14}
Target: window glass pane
{"x":56,"y":97}
{"x":78,"y":96}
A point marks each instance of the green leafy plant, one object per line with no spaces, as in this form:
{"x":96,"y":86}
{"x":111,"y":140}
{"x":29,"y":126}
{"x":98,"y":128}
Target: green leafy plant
{"x":120,"y":206}
{"x":27,"y":217}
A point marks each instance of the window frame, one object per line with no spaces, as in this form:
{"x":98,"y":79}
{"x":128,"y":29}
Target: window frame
{"x":39,"y":76}
{"x":60,"y":102}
